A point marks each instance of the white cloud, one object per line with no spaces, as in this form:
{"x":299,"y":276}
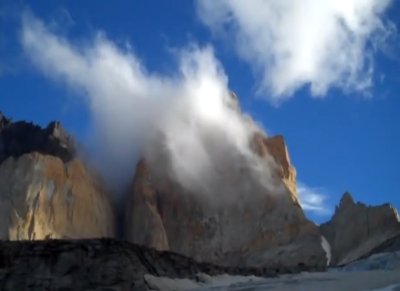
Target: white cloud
{"x":183,"y":123}
{"x":313,"y":199}
{"x":324,"y":43}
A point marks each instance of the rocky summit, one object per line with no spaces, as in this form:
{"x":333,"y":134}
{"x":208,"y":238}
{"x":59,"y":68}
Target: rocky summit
{"x":45,"y":190}
{"x":355,"y":229}
{"x":51,"y":201}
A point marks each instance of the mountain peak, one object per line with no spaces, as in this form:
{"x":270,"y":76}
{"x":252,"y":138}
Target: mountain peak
{"x":346,"y":200}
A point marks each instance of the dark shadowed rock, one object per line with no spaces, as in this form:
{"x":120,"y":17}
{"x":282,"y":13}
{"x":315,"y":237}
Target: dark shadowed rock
{"x":389,"y":246}
{"x":103,"y":264}
{"x":18,"y":138}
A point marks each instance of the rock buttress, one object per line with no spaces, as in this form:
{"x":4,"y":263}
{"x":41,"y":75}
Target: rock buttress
{"x":45,"y":190}
{"x":270,"y":229}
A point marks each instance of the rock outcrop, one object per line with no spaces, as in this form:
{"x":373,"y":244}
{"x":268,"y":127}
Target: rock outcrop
{"x":18,"y":138}
{"x":269,"y":228}
{"x":355,"y":229}
{"x":45,"y":191}
{"x":103,"y":264}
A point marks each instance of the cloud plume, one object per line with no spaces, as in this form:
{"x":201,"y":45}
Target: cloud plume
{"x":186,"y":121}
{"x":292,"y":43}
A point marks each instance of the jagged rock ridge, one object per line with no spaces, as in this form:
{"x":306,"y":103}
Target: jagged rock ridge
{"x":18,"y":138}
{"x":356,"y":229}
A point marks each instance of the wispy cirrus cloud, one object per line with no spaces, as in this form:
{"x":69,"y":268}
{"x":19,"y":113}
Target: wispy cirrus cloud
{"x":313,"y":199}
{"x":292,"y":43}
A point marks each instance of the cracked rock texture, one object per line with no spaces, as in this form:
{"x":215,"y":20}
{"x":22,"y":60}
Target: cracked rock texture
{"x":45,"y":192}
{"x":355,"y":229}
{"x":268,"y":229}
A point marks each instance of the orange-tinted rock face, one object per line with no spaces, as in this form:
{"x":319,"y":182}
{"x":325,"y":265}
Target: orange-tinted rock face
{"x":41,"y":197}
{"x":45,"y":191}
{"x":268,"y":229}
{"x":275,"y":146}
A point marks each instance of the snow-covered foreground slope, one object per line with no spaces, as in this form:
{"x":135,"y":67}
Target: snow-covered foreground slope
{"x":352,"y":281}
{"x":383,"y":261}
{"x":380,"y":272}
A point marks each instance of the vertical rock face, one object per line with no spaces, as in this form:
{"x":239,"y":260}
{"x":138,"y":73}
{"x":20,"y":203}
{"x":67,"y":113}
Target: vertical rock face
{"x":45,"y":192}
{"x":276,"y":147}
{"x":143,"y":220}
{"x":355,"y":228}
{"x":269,"y":229}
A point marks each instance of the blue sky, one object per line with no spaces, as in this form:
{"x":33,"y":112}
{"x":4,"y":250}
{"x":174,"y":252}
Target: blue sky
{"x":335,"y":99}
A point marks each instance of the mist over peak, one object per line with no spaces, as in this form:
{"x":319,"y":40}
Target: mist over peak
{"x":186,"y":124}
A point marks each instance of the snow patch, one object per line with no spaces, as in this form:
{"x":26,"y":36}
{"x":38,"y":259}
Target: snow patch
{"x":203,"y":282}
{"x":388,"y":288}
{"x":327,"y":248}
{"x":164,"y":283}
{"x":225,"y":279}
{"x":354,"y":281}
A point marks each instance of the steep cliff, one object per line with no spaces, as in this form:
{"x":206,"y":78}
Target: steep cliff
{"x":276,"y":147}
{"x":45,"y":191}
{"x":356,"y":229}
{"x":259,"y":229}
